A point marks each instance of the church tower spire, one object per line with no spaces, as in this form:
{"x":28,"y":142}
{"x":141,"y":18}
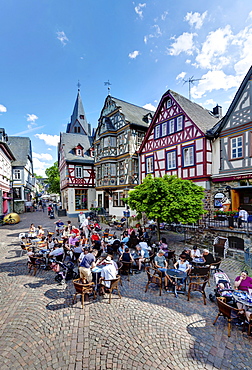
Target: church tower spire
{"x":78,"y":124}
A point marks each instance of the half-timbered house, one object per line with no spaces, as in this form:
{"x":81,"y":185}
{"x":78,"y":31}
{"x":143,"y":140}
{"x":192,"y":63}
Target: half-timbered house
{"x":121,"y":129}
{"x":76,"y":163}
{"x":232,"y":143}
{"x":176,"y":142}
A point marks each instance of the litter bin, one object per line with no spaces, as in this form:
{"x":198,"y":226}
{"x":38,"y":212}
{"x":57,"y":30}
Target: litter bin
{"x":62,"y":212}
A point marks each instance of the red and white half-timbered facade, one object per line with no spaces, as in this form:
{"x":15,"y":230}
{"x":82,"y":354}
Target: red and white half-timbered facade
{"x":76,"y":164}
{"x":176,"y":142}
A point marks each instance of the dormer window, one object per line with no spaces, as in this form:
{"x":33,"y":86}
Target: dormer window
{"x":168,"y":103}
{"x":79,"y":152}
{"x":81,"y":116}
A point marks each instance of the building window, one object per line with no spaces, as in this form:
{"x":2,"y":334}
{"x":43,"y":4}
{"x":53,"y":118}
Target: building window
{"x":157,"y":132}
{"x":17,"y":193}
{"x":188,"y":156}
{"x":81,"y":116}
{"x":115,"y":199}
{"x":171,"y":160}
{"x":17,"y":175}
{"x":81,"y":199}
{"x":171,"y":126}
{"x":149,"y":164}
{"x":99,"y":200}
{"x":164,"y":129}
{"x":66,"y":172}
{"x":121,"y":196}
{"x":113,"y":169}
{"x":113,"y":141}
{"x":168,"y":103}
{"x":78,"y":172}
{"x":121,"y":168}
{"x":180,"y":120}
{"x":79,"y":152}
{"x":236,"y":147}
{"x":105,"y":142}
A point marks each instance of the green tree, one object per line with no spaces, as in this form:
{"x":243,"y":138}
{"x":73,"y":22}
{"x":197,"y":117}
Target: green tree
{"x":168,"y":199}
{"x":53,"y":179}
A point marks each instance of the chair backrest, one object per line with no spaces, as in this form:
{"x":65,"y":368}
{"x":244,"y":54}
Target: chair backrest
{"x":125,"y":266}
{"x":171,"y":254}
{"x":200,"y":271}
{"x":114,"y":283}
{"x":154,"y":275}
{"x":224,"y":308}
{"x":80,"y":287}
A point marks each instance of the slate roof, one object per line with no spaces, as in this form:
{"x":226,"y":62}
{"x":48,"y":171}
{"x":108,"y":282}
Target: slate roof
{"x":202,"y":117}
{"x":77,"y":112}
{"x":132,"y":113}
{"x":69,"y":141}
{"x":21,"y":148}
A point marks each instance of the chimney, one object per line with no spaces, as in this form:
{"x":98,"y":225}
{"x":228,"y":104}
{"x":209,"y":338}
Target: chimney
{"x":217,"y":111}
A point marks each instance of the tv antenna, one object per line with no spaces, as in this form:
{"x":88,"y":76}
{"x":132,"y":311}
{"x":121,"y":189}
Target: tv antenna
{"x":108,"y":84}
{"x":191,"y":81}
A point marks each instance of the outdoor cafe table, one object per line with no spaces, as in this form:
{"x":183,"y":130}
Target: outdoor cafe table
{"x":97,"y":270}
{"x":198,"y":261}
{"x":176,"y":275}
{"x":242,"y":297}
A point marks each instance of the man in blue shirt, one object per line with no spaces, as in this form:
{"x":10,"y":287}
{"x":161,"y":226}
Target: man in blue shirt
{"x":87,"y":263}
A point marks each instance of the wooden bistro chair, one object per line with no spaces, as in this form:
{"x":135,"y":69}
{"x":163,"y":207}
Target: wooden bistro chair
{"x":154,"y":277}
{"x":35,"y":263}
{"x":113,"y":286}
{"x":228,"y":312}
{"x":82,"y":289}
{"x":198,"y":279}
{"x":215,"y":266}
{"x":125,"y":268}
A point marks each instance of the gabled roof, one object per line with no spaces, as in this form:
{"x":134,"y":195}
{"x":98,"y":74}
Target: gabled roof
{"x":202,"y":117}
{"x":21,"y":148}
{"x":216,"y":129}
{"x":79,"y":115}
{"x":68,"y":142}
{"x":133,"y":113}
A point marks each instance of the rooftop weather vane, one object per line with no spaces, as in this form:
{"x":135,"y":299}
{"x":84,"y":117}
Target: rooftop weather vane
{"x":78,"y":85}
{"x":108,"y":84}
{"x":190,"y":81}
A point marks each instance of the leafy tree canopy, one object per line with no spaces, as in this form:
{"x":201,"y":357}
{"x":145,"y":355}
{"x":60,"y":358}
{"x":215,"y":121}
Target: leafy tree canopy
{"x":53,"y":179}
{"x":168,"y":199}
{"x":37,"y":176}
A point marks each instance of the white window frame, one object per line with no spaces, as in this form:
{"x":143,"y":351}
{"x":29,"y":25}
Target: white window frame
{"x":236,"y":147}
{"x":157,"y":132}
{"x":164,"y":129}
{"x":149,"y":164}
{"x":168,"y":103}
{"x":17,"y":174}
{"x":188,"y":156}
{"x":79,"y":152}
{"x":171,"y":160}
{"x":179,"y":123}
{"x":112,"y":169}
{"x":105,"y":142}
{"x":78,"y":172}
{"x":172,"y":126}
{"x":113,"y":141}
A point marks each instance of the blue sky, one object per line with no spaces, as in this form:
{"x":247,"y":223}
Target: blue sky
{"x":142,"y":48}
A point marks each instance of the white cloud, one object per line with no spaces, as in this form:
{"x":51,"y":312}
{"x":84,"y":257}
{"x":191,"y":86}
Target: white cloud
{"x":214,"y":48}
{"x":215,"y":80}
{"x":31,"y":118}
{"x":195,"y":19}
{"x":164,"y":15}
{"x":183,"y":43}
{"x":62,"y":37}
{"x":210,"y":102}
{"x":40,"y":167}
{"x":181,"y":76}
{"x":134,"y":54}
{"x":188,"y":61}
{"x":3,"y":109}
{"x":157,"y":32}
{"x":243,"y":40}
{"x":250,"y":14}
{"x":51,"y":140}
{"x":150,"y":107}
{"x":145,"y":39}
{"x":45,"y":156}
{"x":49,"y":148}
{"x":138,"y":9}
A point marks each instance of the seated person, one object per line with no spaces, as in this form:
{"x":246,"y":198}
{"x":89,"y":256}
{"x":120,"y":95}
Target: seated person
{"x":182,"y":265}
{"x":87,"y":263}
{"x":161,"y":263}
{"x":32,"y":231}
{"x":208,"y":257}
{"x":59,"y":227}
{"x":77,"y":250}
{"x":121,"y":249}
{"x":164,"y":246}
{"x":123,"y":221}
{"x":41,"y":232}
{"x":187,"y":253}
{"x":139,"y":257}
{"x":74,"y":230}
{"x":243,"y":282}
{"x":72,"y":240}
{"x":126,"y":256}
{"x":107,"y":273}
{"x":97,"y":227}
{"x":114,"y":220}
{"x":195,"y":252}
{"x":57,"y":252}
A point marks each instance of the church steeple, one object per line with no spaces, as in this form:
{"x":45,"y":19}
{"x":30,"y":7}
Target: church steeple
{"x":78,"y":124}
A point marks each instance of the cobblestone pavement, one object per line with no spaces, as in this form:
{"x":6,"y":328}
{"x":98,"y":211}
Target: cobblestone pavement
{"x":41,"y":329}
